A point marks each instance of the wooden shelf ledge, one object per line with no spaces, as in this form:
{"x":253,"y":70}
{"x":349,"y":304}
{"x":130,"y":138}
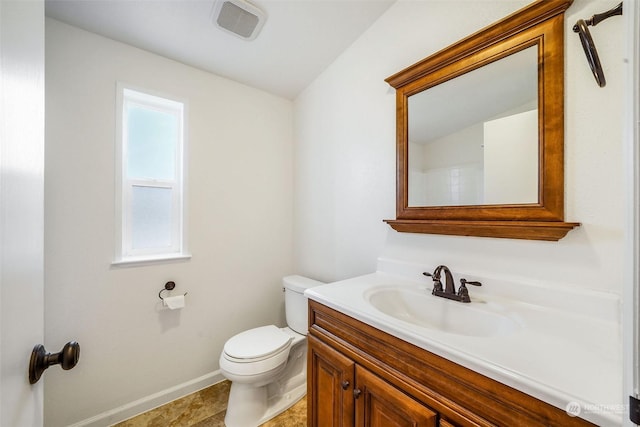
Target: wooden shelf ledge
{"x":530,"y":230}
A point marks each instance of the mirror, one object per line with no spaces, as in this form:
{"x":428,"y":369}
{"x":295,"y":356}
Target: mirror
{"x":480,"y":132}
{"x":480,"y":149}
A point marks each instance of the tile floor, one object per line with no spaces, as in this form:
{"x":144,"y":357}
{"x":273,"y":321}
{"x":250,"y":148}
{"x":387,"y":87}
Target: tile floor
{"x":206,"y":408}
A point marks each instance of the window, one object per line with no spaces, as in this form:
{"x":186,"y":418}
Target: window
{"x":150,"y":191}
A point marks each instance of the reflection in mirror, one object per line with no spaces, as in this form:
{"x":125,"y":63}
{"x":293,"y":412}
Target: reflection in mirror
{"x":473,"y":140}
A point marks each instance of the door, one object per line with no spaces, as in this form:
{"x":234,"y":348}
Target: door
{"x":631,"y":289}
{"x":21,"y":207}
{"x":330,"y":386}
{"x":379,"y":404}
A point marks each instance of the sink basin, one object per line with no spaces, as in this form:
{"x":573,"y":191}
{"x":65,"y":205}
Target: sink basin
{"x":419,"y":307}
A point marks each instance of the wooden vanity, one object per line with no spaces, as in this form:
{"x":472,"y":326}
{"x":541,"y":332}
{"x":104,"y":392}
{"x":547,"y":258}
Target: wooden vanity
{"x":361,"y":376}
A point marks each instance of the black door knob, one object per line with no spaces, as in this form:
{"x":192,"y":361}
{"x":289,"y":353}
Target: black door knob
{"x":41,"y":360}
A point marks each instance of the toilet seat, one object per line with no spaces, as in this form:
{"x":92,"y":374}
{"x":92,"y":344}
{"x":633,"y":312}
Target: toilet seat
{"x":257,"y":351}
{"x":256,"y":344}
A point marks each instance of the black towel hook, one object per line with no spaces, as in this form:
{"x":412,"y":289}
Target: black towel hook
{"x":582,"y":28}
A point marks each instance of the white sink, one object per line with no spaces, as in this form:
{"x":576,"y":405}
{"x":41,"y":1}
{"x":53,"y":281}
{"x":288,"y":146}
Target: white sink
{"x":512,"y":331}
{"x":419,"y":307}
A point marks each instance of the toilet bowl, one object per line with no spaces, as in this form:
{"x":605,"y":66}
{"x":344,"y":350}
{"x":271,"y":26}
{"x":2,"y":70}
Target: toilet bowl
{"x":267,"y":365}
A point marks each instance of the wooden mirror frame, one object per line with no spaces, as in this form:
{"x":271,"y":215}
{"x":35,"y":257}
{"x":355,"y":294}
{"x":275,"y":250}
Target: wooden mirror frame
{"x":540,"y":24}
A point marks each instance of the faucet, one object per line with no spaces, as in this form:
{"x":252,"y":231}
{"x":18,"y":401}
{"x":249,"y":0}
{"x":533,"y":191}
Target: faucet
{"x":449,"y":290}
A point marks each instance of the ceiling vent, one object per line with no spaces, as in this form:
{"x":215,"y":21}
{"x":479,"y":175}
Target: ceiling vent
{"x":238,"y":17}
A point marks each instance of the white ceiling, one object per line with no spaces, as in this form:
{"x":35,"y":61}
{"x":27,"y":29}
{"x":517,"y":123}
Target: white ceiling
{"x":503,"y":87}
{"x":299,"y":40}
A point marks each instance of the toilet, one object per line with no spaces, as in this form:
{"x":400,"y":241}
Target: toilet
{"x":267,"y":366}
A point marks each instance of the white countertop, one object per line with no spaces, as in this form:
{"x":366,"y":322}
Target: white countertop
{"x":567,"y":351}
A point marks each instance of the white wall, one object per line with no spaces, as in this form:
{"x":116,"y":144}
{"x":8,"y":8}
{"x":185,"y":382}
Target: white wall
{"x":463,"y":146}
{"x":239,"y":218}
{"x":510,"y":159}
{"x":345,"y":156}
{"x":453,"y":166}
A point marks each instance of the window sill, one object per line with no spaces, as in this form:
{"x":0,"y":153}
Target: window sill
{"x":149,"y":260}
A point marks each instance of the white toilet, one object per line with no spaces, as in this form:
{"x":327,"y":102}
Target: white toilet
{"x":267,"y":366}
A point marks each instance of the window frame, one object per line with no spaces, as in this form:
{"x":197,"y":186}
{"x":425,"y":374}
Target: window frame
{"x":125,"y":254}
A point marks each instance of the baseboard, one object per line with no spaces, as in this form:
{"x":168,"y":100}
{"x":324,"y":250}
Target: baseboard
{"x":152,"y":401}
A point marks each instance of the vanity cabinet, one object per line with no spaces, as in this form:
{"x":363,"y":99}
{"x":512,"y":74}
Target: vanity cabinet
{"x":361,"y":376}
{"x":330,"y":399}
{"x":347,"y":394}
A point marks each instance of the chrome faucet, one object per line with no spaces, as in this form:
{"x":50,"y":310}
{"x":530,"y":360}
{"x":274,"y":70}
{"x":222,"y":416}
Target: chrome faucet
{"x":449,"y":290}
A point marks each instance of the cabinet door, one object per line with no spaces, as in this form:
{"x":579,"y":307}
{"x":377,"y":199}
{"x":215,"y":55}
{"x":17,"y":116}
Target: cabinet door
{"x":379,"y":404}
{"x":330,"y":386}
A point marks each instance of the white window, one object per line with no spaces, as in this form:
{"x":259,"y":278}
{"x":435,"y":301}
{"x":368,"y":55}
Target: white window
{"x":150,"y":170}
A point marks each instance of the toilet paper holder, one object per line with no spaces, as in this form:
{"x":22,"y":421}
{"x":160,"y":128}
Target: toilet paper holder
{"x":169,"y":286}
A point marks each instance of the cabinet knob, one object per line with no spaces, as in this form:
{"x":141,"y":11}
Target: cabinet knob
{"x":356,"y":392}
{"x":345,"y":385}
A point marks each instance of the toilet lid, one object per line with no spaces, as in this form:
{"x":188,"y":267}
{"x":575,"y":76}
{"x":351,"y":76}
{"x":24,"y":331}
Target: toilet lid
{"x":257,"y":343}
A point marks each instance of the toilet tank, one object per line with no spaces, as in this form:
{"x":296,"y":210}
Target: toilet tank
{"x":295,"y":303}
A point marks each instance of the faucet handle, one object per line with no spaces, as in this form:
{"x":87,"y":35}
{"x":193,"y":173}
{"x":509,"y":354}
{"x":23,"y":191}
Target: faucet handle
{"x":464,"y":282}
{"x":437,"y":284}
{"x":463,"y":293}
